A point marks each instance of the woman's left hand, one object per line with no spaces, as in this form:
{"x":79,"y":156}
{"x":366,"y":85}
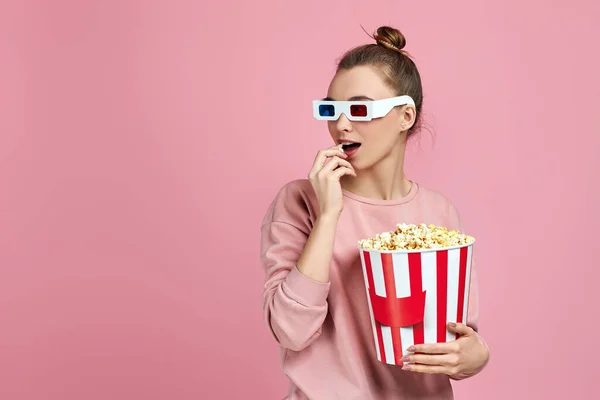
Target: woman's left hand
{"x":459,"y":358}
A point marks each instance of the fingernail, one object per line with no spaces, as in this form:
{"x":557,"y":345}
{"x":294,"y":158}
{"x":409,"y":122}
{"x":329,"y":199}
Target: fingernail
{"x":411,"y":349}
{"x":404,"y":359}
{"x":406,"y":367}
{"x":452,"y":324}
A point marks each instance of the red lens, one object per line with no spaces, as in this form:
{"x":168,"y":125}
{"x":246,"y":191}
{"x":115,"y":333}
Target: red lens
{"x":358,"y":110}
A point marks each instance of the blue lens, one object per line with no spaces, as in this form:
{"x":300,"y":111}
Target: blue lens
{"x":326,"y":110}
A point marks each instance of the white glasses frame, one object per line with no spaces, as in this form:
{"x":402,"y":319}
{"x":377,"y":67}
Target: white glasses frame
{"x":375,"y":108}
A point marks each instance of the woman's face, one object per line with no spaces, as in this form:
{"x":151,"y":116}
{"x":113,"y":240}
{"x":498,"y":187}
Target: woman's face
{"x":379,"y":137}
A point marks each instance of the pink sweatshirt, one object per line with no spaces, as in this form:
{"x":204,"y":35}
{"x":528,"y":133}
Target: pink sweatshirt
{"x":324,"y":329}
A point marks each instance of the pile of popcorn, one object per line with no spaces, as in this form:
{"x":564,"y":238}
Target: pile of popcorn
{"x":416,"y":237}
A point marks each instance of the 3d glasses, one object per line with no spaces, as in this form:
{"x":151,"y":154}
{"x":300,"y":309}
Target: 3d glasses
{"x":360,"y":110}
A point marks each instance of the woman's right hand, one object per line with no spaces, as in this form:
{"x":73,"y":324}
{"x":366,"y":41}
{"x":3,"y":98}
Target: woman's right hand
{"x":329,"y":166}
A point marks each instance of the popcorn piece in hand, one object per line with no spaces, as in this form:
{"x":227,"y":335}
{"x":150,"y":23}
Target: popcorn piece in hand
{"x":416,"y":237}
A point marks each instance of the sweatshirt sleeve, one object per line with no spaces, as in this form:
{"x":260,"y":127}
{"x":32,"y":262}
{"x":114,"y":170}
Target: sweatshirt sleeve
{"x":294,"y":305}
{"x":473,"y":307}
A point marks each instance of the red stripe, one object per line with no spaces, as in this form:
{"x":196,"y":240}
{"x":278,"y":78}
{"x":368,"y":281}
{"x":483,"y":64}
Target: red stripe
{"x":390,"y":292}
{"x":372,"y":285}
{"x":416,"y":286}
{"x":442,"y":294}
{"x":462,"y":281}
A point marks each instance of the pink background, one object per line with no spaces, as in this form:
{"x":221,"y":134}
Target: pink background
{"x":141,"y":142}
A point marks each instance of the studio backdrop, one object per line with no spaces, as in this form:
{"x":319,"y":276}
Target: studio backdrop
{"x":141,"y":143}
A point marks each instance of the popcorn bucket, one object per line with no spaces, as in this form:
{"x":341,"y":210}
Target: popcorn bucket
{"x":413,"y":294}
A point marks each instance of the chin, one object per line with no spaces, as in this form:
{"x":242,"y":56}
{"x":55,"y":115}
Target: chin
{"x":361,"y":165}
{"x":357,"y":165}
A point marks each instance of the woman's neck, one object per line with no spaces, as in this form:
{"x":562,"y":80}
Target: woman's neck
{"x":384,"y":181}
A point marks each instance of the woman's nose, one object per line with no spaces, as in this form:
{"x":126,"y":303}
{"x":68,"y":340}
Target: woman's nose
{"x":343,"y":123}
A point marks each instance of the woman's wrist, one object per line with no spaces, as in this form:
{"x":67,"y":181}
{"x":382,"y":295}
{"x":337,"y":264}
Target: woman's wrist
{"x":315,"y":261}
{"x":327,"y":219}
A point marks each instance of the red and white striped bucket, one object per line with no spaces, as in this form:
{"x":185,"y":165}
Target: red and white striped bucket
{"x":413,"y":295}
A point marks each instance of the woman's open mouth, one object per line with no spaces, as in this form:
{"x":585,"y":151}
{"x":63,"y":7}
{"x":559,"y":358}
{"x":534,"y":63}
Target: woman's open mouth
{"x":350,"y":148}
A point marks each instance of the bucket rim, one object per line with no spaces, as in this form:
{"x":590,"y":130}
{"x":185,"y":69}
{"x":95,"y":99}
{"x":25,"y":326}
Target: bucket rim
{"x":470,"y":244}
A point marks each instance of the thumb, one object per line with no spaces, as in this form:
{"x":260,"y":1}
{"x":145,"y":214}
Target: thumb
{"x":461,"y":329}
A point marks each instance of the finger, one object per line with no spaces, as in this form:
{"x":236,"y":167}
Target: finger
{"x":334,"y":154}
{"x":448,"y":360}
{"x":435,"y":348}
{"x":341,"y":171}
{"x":461,"y":329}
{"x":429,"y":369}
{"x":322,"y":156}
{"x":333,"y":163}
{"x":329,"y":152}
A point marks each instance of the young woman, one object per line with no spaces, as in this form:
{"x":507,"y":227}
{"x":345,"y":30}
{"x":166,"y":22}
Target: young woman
{"x":314,"y":297}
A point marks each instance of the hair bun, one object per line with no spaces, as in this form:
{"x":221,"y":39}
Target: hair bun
{"x":390,"y":37}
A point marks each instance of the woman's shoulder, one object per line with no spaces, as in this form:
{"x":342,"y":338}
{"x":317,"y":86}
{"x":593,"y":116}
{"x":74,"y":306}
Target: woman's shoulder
{"x":440,"y":204}
{"x":433,"y":195}
{"x":294,"y":203}
{"x":296,"y":188}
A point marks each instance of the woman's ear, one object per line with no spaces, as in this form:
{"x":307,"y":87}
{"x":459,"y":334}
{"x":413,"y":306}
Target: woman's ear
{"x":408,"y":117}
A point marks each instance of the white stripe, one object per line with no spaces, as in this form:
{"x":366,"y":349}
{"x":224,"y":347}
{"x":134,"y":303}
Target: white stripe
{"x":388,"y":345}
{"x":402,"y":277}
{"x":400,"y":262}
{"x":375,"y":338}
{"x":452,"y":296}
{"x":407,"y":336}
{"x":467,"y":285}
{"x":378,"y":279}
{"x":429,"y":276}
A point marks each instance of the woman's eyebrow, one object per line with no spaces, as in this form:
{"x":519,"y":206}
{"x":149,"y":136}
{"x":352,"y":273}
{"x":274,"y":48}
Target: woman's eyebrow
{"x":353,"y":98}
{"x":357,"y":98}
